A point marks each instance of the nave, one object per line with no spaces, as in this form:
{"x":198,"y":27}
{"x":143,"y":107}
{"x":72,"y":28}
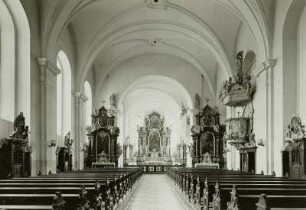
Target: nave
{"x":155,"y":192}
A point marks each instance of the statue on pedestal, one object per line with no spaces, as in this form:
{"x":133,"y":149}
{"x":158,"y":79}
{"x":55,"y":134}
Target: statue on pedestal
{"x":20,"y":130}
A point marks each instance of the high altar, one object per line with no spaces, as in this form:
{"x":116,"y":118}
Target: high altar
{"x":103,"y":149}
{"x":154,"y":141}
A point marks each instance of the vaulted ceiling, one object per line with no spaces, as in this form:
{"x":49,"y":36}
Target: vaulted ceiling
{"x":106,"y":33}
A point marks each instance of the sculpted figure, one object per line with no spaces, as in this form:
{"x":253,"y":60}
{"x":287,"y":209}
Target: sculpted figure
{"x":19,"y":126}
{"x":205,"y":196}
{"x":216,"y":198}
{"x":233,"y":203}
{"x":112,"y":100}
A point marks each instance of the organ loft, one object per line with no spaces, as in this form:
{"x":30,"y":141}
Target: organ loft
{"x":153,"y":104}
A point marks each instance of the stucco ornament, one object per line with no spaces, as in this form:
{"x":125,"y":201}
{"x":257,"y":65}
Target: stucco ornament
{"x":196,"y":129}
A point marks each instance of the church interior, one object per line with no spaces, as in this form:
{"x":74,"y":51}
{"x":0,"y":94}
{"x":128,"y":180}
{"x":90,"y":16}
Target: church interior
{"x":153,"y":104}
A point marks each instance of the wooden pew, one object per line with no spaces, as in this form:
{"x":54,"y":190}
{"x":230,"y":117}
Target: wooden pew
{"x":249,"y":187}
{"x":113,"y":185}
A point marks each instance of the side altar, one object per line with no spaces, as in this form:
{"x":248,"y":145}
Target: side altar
{"x":207,"y":135}
{"x":15,"y":151}
{"x":103,"y":149}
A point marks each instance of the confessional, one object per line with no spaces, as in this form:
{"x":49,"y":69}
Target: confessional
{"x":103,"y":150}
{"x":293,"y":152}
{"x":64,"y":155}
{"x":248,"y":159}
{"x":207,"y":137}
{"x":63,"y":159}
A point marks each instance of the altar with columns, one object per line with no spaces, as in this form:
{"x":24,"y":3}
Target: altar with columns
{"x":154,"y":141}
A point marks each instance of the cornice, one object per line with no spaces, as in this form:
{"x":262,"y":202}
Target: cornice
{"x":48,"y":65}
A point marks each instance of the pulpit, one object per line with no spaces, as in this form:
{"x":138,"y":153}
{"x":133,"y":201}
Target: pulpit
{"x":102,"y":135}
{"x":207,"y":137}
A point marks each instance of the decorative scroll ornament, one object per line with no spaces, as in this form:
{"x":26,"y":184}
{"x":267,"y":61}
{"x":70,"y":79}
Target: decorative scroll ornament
{"x":103,"y":119}
{"x":239,"y":91}
{"x":196,"y":129}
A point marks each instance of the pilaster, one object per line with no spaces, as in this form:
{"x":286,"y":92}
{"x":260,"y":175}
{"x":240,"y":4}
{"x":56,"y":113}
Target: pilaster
{"x":80,"y":100}
{"x":266,"y":72}
{"x":48,"y":115}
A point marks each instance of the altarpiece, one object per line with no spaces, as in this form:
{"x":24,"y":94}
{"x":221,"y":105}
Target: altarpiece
{"x":154,"y":141}
{"x":207,"y":137}
{"x":103,"y":149}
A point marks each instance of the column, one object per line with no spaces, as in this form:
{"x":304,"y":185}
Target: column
{"x":82,"y":119}
{"x":40,"y":147}
{"x":80,"y":136}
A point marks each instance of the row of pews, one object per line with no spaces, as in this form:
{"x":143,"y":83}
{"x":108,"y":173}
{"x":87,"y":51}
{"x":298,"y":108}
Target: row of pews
{"x":86,"y":189}
{"x":232,"y":190}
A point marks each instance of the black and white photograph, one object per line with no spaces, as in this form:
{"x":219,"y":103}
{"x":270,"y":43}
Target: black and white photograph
{"x":152,"y":104}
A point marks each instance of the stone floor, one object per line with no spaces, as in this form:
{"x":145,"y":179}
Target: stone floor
{"x":155,"y":192}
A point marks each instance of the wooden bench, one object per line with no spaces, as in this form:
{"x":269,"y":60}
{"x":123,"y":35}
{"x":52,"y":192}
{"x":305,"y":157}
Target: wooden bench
{"x":281,"y":192}
{"x":113,"y":185}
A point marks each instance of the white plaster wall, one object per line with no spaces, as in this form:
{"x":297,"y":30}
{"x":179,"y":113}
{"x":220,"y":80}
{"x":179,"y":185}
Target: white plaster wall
{"x":302,"y":67}
{"x":260,"y":123}
{"x":245,"y":41}
{"x":66,"y":44}
{"x":30,"y":8}
{"x":280,"y":120}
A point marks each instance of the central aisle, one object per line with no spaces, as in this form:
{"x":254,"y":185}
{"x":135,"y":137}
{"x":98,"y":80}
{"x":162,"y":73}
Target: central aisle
{"x":155,"y":192}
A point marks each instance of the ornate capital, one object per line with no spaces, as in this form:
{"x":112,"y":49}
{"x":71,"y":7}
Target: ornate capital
{"x":77,"y":94}
{"x":265,"y":66}
{"x":44,"y":62}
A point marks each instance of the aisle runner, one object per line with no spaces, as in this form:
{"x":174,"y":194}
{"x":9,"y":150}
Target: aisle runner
{"x":155,"y":192}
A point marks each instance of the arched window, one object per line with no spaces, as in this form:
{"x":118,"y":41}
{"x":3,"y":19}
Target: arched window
{"x":14,"y":61}
{"x":7,"y":65}
{"x":88,"y":106}
{"x":63,"y":95}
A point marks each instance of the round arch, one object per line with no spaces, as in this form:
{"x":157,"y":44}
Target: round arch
{"x":165,"y":49}
{"x":64,"y":94}
{"x":290,"y":60}
{"x":163,"y":80}
{"x":15,"y":63}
